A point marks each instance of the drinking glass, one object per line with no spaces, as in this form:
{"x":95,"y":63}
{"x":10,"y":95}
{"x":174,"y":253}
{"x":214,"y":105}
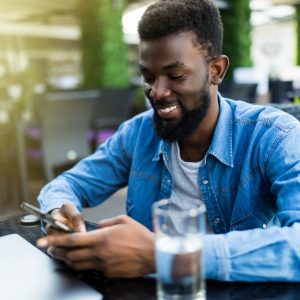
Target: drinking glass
{"x":178,"y":251}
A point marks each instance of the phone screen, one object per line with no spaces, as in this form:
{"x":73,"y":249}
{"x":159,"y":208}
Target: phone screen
{"x":90,"y":226}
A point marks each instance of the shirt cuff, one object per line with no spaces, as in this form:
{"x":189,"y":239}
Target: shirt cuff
{"x":215,"y":257}
{"x":164,"y":262}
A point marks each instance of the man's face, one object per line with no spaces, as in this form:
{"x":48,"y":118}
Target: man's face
{"x":176,"y":82}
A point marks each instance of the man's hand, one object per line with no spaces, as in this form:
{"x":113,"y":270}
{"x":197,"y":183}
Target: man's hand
{"x":121,"y":247}
{"x":186,"y":264}
{"x":69,"y":215}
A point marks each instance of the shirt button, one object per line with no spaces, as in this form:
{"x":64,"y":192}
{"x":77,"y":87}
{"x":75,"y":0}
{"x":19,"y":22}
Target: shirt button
{"x":217,"y":220}
{"x":265,"y":226}
{"x":169,"y":181}
{"x":205,"y":181}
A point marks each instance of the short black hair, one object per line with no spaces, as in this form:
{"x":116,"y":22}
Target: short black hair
{"x":167,"y":17}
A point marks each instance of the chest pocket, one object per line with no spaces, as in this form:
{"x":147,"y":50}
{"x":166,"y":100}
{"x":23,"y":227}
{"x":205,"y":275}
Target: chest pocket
{"x":262,"y":215}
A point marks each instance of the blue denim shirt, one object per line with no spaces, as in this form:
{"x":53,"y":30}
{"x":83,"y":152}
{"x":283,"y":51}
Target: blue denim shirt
{"x":250,"y":184}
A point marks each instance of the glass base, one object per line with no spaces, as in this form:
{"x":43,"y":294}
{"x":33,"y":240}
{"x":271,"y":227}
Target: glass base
{"x":199,"y":296}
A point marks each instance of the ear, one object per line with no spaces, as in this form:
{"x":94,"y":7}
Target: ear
{"x":219,"y":66}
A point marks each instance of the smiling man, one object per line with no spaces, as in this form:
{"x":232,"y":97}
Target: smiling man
{"x":241,"y":160}
{"x":169,"y":76}
{"x":180,"y":85}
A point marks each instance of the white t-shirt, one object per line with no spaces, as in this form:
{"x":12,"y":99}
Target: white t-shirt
{"x":186,"y":193}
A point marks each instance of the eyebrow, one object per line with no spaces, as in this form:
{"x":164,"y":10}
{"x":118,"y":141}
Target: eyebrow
{"x":176,"y":64}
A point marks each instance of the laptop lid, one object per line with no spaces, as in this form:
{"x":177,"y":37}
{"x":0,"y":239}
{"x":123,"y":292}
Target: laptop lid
{"x":27,"y":273}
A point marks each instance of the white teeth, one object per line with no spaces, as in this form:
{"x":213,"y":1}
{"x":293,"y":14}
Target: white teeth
{"x":168,"y":109}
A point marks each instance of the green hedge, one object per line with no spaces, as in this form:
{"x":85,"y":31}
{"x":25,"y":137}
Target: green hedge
{"x":104,"y":53}
{"x":298,"y":34}
{"x":237,"y":34}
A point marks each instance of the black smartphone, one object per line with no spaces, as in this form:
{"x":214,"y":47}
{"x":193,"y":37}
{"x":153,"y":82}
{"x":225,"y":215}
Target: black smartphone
{"x":46,"y":217}
{"x":90,"y":225}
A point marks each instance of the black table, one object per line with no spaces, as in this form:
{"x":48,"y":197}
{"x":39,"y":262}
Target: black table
{"x":145,"y":289}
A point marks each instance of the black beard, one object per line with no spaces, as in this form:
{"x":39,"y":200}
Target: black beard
{"x":177,"y":130}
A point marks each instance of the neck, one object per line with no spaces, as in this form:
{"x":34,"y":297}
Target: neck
{"x":194,"y":147}
{"x":190,"y":154}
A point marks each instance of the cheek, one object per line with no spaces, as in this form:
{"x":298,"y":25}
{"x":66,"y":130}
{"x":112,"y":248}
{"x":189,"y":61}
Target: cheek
{"x":193,"y":98}
{"x":200,"y":82}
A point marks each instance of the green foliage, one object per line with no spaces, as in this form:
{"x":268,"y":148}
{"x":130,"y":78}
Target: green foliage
{"x":237,"y":34}
{"x":104,"y":53}
{"x":298,"y":35}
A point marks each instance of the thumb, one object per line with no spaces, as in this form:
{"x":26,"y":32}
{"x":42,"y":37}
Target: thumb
{"x":75,"y":218}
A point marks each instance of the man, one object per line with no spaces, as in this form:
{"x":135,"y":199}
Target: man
{"x":241,"y":160}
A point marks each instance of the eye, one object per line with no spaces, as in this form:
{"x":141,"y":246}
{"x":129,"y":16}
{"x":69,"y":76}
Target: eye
{"x":148,"y":78}
{"x":177,"y":77}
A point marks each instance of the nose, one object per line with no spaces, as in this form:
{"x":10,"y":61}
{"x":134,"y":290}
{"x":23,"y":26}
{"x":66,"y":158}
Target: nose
{"x":159,"y":90}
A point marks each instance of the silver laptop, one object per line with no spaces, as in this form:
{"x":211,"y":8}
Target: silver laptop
{"x":27,"y":273}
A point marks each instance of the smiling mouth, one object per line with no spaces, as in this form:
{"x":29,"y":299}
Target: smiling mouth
{"x":167,"y":109}
{"x":170,"y":112}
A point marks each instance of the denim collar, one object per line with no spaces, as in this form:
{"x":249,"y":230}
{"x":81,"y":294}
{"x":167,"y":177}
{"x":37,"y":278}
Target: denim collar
{"x":221,"y":145}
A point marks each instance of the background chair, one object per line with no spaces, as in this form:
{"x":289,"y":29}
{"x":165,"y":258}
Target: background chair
{"x":291,"y":108}
{"x":238,"y":91}
{"x":113,"y":107}
{"x":65,"y":122}
{"x":64,"y":119}
{"x":279,"y":90}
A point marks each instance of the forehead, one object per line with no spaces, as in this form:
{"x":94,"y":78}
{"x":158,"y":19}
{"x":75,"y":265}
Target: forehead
{"x":182,"y":47}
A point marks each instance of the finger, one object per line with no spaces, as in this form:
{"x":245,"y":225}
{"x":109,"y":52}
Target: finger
{"x":80,"y":254}
{"x":82,"y":265}
{"x":69,"y":240}
{"x":73,"y":214}
{"x":51,"y":230}
{"x":77,"y":259}
{"x":58,"y":215}
{"x":57,"y":252}
{"x":113,"y":221}
{"x":70,"y":255}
